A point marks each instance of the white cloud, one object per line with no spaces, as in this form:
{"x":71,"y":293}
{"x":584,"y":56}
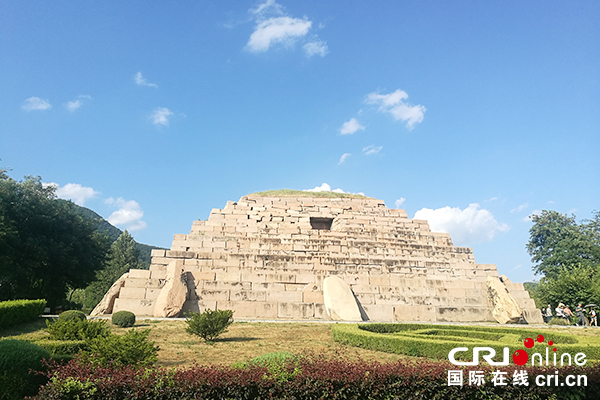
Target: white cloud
{"x":141,"y":81}
{"x":519,"y":208}
{"x":75,"y":192}
{"x":160,"y":116}
{"x":399,"y":202}
{"x":473,"y":224}
{"x":74,"y":105}
{"x":372,"y":149}
{"x":284,"y":30}
{"x":129,"y":215}
{"x":394,"y":104}
{"x":326,"y":188}
{"x":275,"y":26}
{"x":35,"y":103}
{"x":343,"y":158}
{"x":316,"y":48}
{"x":351,"y":127}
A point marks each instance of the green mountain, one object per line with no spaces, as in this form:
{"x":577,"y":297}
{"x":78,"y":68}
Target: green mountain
{"x":113,"y":232}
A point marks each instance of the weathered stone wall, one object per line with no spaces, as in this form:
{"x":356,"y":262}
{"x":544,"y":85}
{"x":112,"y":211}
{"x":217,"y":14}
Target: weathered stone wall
{"x":262,"y":258}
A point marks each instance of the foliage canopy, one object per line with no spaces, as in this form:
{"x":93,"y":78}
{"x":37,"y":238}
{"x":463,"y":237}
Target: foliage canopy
{"x":45,"y":246}
{"x":567,"y":253}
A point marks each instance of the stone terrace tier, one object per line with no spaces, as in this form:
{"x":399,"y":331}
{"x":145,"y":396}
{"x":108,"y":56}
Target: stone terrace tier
{"x":267,"y":257}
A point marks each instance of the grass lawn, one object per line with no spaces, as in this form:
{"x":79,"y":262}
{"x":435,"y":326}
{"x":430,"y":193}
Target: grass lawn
{"x":245,"y":340}
{"x":242,"y":341}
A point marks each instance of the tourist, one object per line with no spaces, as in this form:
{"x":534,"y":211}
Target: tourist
{"x":580,"y":317}
{"x":568,"y":313}
{"x":559,"y":311}
{"x":548,"y":313}
{"x":593,"y":317}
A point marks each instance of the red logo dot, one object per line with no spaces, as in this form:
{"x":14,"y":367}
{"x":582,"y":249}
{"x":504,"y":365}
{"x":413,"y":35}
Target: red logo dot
{"x":540,"y":338}
{"x":554,"y":349}
{"x":520,"y":357}
{"x":528,"y":342}
{"x":550,"y":342}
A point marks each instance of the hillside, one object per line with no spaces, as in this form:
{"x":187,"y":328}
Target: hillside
{"x":113,"y":232}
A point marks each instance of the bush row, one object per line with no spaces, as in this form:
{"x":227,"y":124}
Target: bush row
{"x":439,"y":347}
{"x":466,"y":330}
{"x":14,"y":312}
{"x":309,"y":377}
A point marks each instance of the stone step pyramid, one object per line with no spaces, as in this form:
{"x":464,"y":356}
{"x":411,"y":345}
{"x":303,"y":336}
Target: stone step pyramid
{"x":267,"y":258}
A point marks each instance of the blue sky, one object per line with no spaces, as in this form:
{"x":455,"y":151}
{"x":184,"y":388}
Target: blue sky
{"x":472,"y":115}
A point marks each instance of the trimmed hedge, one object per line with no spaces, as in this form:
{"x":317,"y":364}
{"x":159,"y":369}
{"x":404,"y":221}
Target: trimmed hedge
{"x":14,"y":312}
{"x":310,"y":377}
{"x":124,"y":319}
{"x":435,"y":341}
{"x":72,"y":315}
{"x":17,"y":357}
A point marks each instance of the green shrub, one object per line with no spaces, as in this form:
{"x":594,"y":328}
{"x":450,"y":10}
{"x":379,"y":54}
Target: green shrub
{"x":124,"y":319}
{"x":132,"y":349}
{"x":558,"y":321}
{"x":14,"y":312}
{"x":62,"y":347}
{"x":17,"y":357}
{"x":210,"y":324}
{"x":281,"y":366}
{"x":76,"y":329}
{"x":72,"y":315}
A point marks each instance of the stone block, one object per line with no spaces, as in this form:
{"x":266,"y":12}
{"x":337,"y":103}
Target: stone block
{"x":218,"y":295}
{"x":140,"y":307}
{"x":295,"y":310}
{"x":139,"y":273}
{"x":282,"y":278}
{"x":285,"y":296}
{"x":230,"y":285}
{"x":365,"y":298}
{"x":359,"y":288}
{"x":379,"y":280}
{"x":250,"y":309}
{"x":152,"y":294}
{"x":247,"y":295}
{"x":312,"y":297}
{"x":320,"y":311}
{"x":420,"y":313}
{"x":379,"y":312}
{"x":268,"y":286}
{"x":132,"y":293}
{"x":136,"y":283}
{"x":464,"y":314}
{"x":203,"y":275}
{"x":228,"y":276}
{"x":157,"y":253}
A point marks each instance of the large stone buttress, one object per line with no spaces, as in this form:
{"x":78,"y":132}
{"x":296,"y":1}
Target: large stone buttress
{"x":267,"y":258}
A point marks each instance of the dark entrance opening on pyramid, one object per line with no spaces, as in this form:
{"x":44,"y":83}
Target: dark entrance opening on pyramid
{"x":321,"y":223}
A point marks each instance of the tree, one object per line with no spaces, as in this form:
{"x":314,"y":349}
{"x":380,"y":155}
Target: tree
{"x":571,"y":286}
{"x":557,"y":242}
{"x":123,"y":256}
{"x":567,"y":253}
{"x":45,"y":247}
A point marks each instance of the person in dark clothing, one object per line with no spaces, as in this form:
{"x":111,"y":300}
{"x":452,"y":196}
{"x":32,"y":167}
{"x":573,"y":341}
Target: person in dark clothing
{"x":580,"y":316}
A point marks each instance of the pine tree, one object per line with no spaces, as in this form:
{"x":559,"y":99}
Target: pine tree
{"x":122,"y":257}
